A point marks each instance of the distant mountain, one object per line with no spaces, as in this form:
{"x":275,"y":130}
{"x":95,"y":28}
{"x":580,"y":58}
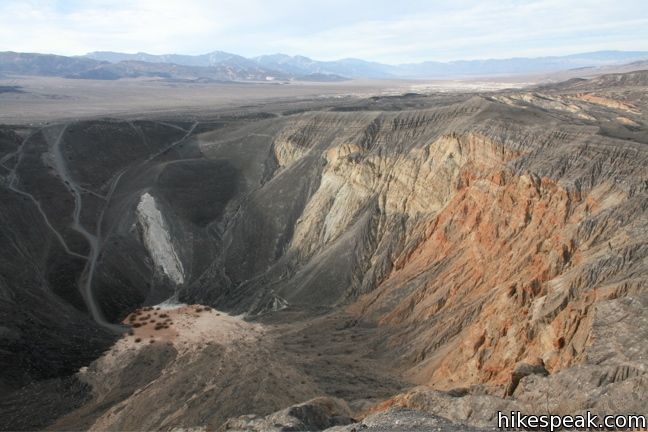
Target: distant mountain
{"x":217,"y":72}
{"x":520,"y":65}
{"x":223,"y":66}
{"x":223,"y":62}
{"x":215,"y":58}
{"x":12,"y":63}
{"x":357,"y":68}
{"x":227,"y":69}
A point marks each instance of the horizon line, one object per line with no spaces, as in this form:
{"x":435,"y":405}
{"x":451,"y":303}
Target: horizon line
{"x":341,"y":59}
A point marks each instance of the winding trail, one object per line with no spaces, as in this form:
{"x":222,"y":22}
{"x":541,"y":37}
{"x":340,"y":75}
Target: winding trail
{"x":92,"y":239}
{"x":172,"y":126}
{"x":173,"y":144}
{"x":20,"y":152}
{"x":48,"y":223}
{"x":13,"y":178}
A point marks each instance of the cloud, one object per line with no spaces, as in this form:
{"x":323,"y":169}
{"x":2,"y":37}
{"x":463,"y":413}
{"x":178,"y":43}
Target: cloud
{"x":378,"y":30}
{"x":488,"y":29}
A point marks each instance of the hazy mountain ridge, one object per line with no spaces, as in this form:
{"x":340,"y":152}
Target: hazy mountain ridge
{"x":228,"y":68}
{"x":223,"y":66}
{"x":359,"y":68}
{"x":43,"y":64}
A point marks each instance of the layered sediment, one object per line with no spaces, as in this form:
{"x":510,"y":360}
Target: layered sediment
{"x":458,"y":258}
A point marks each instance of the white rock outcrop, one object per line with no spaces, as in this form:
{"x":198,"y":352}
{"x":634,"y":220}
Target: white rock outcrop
{"x":158,"y":240}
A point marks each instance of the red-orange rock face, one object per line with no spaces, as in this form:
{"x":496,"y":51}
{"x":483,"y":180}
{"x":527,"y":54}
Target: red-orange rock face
{"x":483,"y":271}
{"x":494,"y":239}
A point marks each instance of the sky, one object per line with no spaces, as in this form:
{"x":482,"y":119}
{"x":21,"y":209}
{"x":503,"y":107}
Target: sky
{"x":388,"y":31}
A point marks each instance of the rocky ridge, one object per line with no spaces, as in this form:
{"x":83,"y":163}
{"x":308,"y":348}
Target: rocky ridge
{"x":476,"y":254}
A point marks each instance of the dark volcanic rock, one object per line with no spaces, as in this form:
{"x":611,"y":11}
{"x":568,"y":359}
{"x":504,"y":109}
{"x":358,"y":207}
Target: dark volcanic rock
{"x":39,"y":404}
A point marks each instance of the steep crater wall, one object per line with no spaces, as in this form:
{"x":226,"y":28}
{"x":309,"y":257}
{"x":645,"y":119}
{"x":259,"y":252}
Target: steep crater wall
{"x":468,"y":237}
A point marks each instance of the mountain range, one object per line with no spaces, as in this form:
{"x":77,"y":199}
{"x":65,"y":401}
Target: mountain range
{"x":358,"y":68}
{"x":223,"y":66}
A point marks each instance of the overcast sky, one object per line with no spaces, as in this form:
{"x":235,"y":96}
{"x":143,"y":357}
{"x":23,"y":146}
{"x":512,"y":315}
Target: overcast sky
{"x":389,"y":31}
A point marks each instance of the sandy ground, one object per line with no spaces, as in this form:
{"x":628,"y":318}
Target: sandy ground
{"x":43,"y":99}
{"x":186,"y":327}
{"x":217,"y":365}
{"x":223,"y":366}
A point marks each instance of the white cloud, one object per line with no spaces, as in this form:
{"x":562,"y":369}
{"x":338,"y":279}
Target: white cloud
{"x":376,"y":30}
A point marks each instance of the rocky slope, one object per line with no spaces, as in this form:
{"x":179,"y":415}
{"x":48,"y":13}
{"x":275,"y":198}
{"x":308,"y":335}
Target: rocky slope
{"x":474,"y":253}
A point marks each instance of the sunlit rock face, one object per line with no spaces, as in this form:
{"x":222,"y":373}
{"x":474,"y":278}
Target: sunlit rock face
{"x":158,"y":240}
